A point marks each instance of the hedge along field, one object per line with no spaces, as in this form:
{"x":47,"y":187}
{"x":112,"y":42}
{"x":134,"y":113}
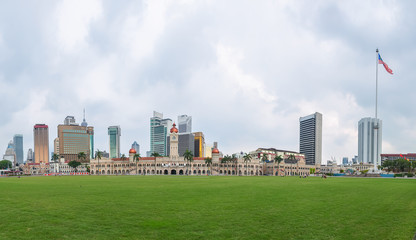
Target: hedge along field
{"x":180,"y":207}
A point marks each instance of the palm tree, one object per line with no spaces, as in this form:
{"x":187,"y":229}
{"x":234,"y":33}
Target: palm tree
{"x":264,"y":159}
{"x":189,"y":157}
{"x":98,"y":155}
{"x":208,"y":162}
{"x":247,"y":158}
{"x":82,"y":156}
{"x":54,"y":159}
{"x":136,"y":158}
{"x":278,"y":159}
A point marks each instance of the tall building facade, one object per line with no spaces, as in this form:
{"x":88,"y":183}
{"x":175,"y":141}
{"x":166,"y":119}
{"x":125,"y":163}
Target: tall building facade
{"x":344,"y":161}
{"x":186,"y":141}
{"x":114,"y":133}
{"x":199,"y":148}
{"x":56,"y":146}
{"x":158,"y":133}
{"x":10,"y":153}
{"x":41,"y":141}
{"x":29,"y":157}
{"x":369,"y":141}
{"x":136,"y":147}
{"x":73,"y":139}
{"x":310,"y":139}
{"x":18,"y":147}
{"x":185,"y":124}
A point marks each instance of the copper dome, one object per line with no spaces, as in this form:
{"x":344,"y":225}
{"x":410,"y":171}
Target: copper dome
{"x":174,"y":129}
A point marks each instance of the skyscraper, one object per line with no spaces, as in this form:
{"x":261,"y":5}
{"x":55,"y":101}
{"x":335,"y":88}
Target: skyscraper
{"x":199,"y":148}
{"x":41,"y":141}
{"x":114,"y":133}
{"x":344,"y":161}
{"x":185,"y":124}
{"x":69,"y":120}
{"x":136,"y":147}
{"x":159,"y":128}
{"x":10,"y":153}
{"x":18,"y":147}
{"x":56,"y":146}
{"x":186,"y":141}
{"x":29,"y":157}
{"x":73,"y":139}
{"x":310,"y":139}
{"x":369,"y":141}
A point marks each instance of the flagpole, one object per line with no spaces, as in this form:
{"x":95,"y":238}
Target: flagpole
{"x":376,"y":121}
{"x":376,"y":79}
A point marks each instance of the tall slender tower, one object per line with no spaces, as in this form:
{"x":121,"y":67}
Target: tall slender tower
{"x":173,"y":138}
{"x":159,"y":128}
{"x":41,"y":140}
{"x":310,"y":139}
{"x":114,"y":133}
{"x":18,"y":147}
{"x":185,"y":124}
{"x":369,"y":141}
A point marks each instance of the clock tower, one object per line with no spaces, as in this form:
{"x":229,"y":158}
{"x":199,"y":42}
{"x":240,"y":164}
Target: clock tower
{"x":174,"y":154}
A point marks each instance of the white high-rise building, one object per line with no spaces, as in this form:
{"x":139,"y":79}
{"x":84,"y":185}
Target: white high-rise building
{"x":185,"y":124}
{"x":310,"y":139}
{"x":159,"y":128}
{"x":369,"y":141}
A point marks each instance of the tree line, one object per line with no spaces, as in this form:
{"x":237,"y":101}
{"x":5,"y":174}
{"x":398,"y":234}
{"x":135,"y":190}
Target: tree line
{"x":398,"y":165}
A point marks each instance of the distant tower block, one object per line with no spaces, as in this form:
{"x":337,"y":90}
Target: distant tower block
{"x":310,"y":139}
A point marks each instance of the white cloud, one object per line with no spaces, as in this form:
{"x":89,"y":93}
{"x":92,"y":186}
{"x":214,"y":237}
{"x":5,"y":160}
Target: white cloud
{"x":73,"y":19}
{"x":245,"y":71}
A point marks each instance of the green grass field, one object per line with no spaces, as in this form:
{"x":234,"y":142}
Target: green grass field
{"x":185,"y":207}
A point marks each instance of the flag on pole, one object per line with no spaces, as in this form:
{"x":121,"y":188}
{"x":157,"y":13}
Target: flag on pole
{"x":380,"y":61}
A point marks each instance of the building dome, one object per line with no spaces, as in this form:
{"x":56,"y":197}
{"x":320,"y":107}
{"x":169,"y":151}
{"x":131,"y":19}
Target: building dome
{"x":132,"y":151}
{"x":174,"y":129}
{"x":215,"y":150}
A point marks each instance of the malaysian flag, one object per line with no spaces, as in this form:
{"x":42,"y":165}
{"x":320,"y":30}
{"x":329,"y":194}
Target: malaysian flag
{"x":380,"y":61}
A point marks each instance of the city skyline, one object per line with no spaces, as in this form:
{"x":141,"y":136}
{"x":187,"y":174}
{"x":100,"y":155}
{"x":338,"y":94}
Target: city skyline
{"x":245,"y":69}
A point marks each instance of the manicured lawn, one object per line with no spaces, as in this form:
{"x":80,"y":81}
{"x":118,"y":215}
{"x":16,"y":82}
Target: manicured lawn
{"x":189,"y":207}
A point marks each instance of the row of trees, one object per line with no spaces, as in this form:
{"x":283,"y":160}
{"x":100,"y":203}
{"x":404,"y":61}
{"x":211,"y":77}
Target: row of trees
{"x":399,"y":165}
{"x":5,"y":164}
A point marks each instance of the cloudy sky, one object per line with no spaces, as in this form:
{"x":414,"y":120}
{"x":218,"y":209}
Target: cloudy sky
{"x":244,"y":70}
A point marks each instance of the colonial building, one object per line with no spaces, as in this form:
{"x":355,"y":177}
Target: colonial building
{"x":175,"y":164}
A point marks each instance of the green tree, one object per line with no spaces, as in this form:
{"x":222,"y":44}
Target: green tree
{"x":208,"y":162}
{"x":264,"y":159}
{"x":188,"y":157}
{"x":247,"y":158}
{"x":224,"y":160}
{"x":5,"y":164}
{"x":277,"y":159}
{"x":82,"y":156}
{"x":98,"y":155}
{"x":136,"y":158}
{"x":74,"y":164}
{"x":123,"y":157}
{"x":55,"y":157}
